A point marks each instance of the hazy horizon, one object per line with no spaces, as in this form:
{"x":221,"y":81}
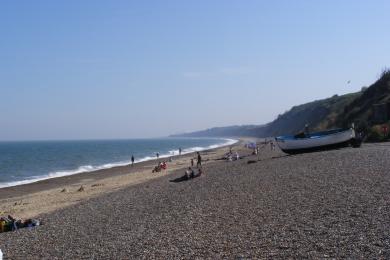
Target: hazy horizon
{"x":92,"y":70}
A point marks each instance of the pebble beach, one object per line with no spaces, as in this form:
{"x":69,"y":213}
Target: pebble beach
{"x":331,"y":204}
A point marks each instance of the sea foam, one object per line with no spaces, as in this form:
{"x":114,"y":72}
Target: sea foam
{"x":91,"y":168}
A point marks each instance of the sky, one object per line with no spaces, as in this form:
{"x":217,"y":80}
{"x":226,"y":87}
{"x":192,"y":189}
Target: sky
{"x":97,"y":69}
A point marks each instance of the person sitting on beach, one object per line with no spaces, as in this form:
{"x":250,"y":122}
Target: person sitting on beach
{"x":189,"y":173}
{"x":164,"y":165}
{"x":10,"y":223}
{"x":157,"y":168}
{"x":200,"y":171}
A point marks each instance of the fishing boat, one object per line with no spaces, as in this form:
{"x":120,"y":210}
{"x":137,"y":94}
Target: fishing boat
{"x":309,"y":142}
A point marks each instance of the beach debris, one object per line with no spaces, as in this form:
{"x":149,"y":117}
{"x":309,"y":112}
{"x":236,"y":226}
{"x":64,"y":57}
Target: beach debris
{"x":81,"y":188}
{"x":64,"y":190}
{"x":97,"y":184}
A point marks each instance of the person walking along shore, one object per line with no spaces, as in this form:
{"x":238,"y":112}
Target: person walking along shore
{"x":199,"y":162}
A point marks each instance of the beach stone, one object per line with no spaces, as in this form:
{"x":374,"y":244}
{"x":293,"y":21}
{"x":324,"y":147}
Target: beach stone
{"x":333,"y":204}
{"x":64,"y":190}
{"x":81,"y":189}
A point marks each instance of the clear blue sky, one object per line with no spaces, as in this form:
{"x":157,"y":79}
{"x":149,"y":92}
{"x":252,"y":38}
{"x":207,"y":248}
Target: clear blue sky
{"x":122,"y":69}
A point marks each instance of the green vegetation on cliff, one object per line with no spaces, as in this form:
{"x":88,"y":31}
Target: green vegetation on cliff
{"x":369,"y":109}
{"x":319,"y":115}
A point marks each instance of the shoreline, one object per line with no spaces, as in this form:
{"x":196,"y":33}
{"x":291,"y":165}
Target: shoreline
{"x":112,"y":165}
{"x":44,"y":196}
{"x":329,"y":204}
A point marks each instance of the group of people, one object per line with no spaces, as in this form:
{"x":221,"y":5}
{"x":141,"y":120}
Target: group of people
{"x":190,"y":173}
{"x":161,"y":166}
{"x":230,"y":156}
{"x":10,"y":223}
{"x":256,"y":149}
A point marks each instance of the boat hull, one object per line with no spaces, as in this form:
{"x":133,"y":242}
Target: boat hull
{"x":316,"y":143}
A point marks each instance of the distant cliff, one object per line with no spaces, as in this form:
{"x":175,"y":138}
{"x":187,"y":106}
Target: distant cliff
{"x":228,"y":131}
{"x":366,"y":108}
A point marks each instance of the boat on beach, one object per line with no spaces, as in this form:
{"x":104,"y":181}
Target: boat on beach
{"x":317,"y":141}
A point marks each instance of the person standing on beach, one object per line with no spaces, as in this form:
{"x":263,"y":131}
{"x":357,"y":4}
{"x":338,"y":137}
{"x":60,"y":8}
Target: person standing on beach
{"x":192,"y":162}
{"x":180,"y":151}
{"x":132,"y":160}
{"x":199,"y":162}
{"x":157,"y":155}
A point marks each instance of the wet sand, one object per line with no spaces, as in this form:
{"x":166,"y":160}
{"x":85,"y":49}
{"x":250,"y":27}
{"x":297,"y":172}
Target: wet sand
{"x":30,"y":200}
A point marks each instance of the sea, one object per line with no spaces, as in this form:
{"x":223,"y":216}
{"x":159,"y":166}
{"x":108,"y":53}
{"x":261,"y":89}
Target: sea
{"x":23,"y":162}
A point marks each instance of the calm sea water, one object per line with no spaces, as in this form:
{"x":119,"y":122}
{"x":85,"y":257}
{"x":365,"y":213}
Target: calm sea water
{"x":25,"y":162}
